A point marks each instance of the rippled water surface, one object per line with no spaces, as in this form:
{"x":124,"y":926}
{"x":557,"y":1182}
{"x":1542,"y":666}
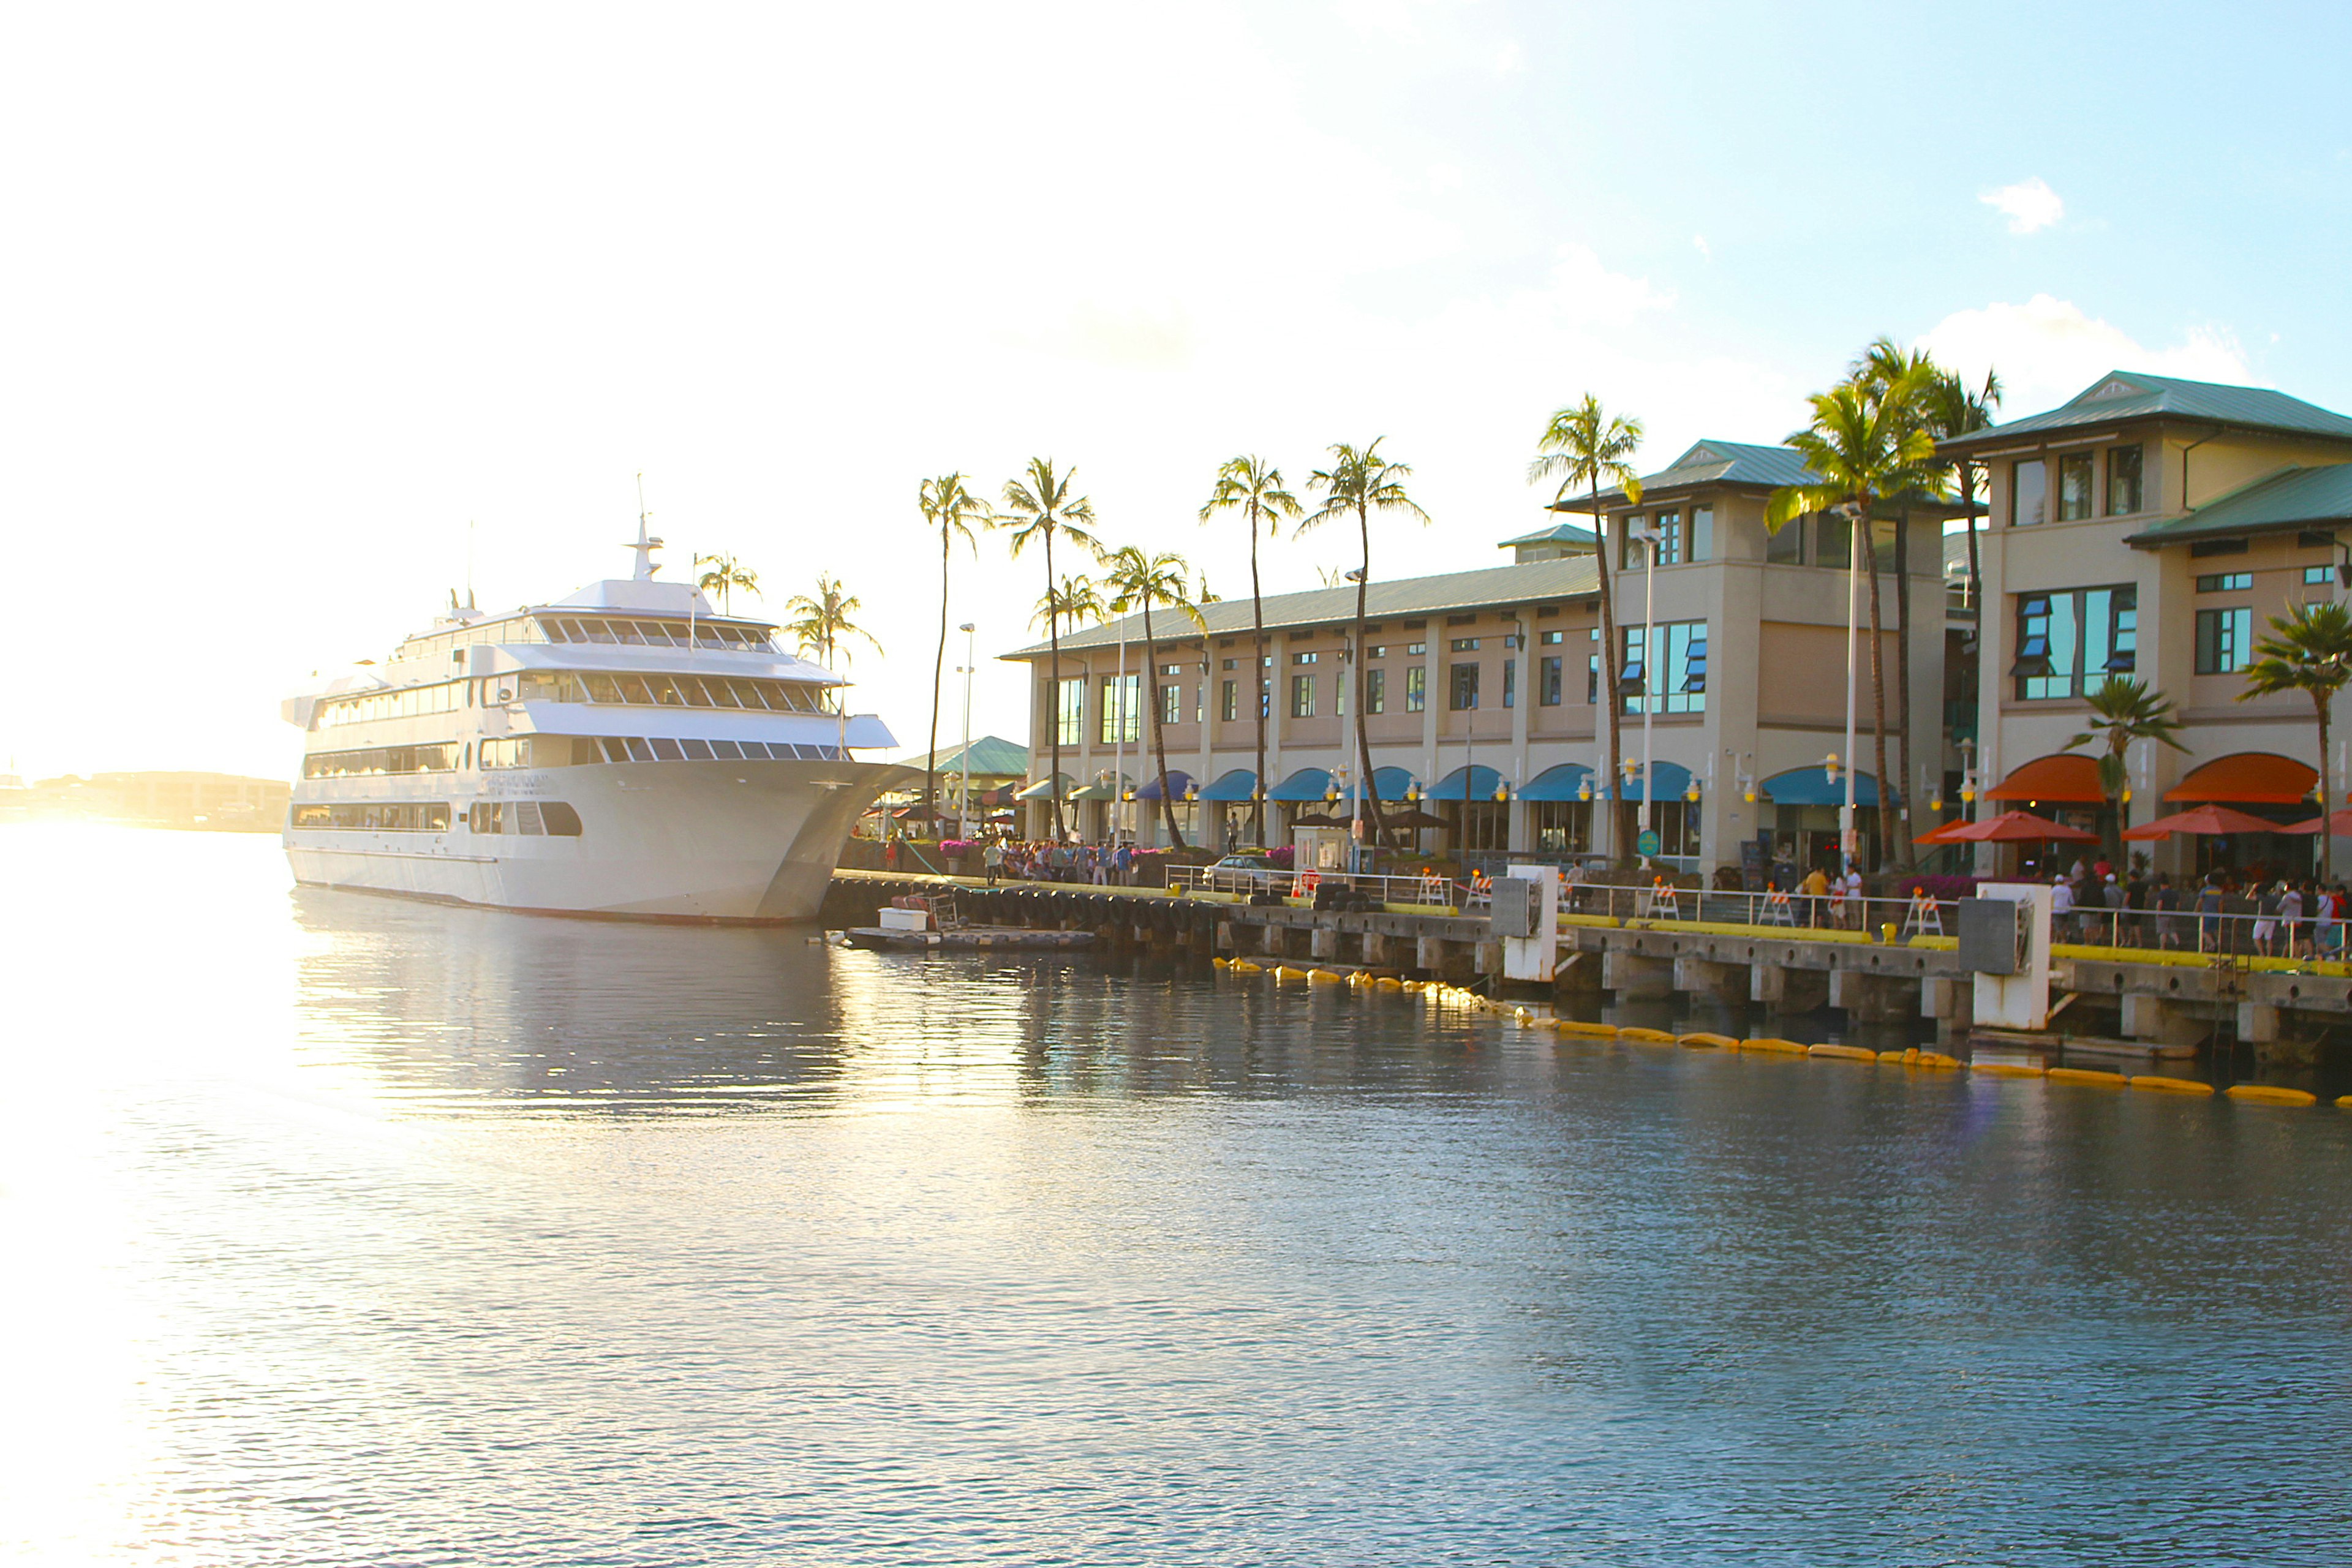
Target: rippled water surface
{"x":339,"y":1230}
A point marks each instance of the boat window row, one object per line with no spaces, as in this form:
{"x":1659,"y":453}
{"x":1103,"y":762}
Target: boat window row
{"x":442,"y":697}
{"x":580,"y":751}
{"x":377,"y":816}
{"x":637,"y":749}
{"x":532,"y":818}
{"x":653,"y":634}
{"x":441,"y":645}
{"x":444,"y":757}
{"x":669,"y":691}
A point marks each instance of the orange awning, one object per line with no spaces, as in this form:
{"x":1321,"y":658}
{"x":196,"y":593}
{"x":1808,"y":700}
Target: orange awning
{"x":2071,"y":779}
{"x":2248,"y":776}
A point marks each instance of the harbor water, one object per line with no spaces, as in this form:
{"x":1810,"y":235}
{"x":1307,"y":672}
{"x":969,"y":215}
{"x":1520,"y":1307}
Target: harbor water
{"x":341,"y":1230}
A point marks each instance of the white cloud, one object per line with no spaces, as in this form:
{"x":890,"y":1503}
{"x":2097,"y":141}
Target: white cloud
{"x":2047,"y":350}
{"x":2030,"y":205}
{"x":1698,"y":242}
{"x":1509,"y":60}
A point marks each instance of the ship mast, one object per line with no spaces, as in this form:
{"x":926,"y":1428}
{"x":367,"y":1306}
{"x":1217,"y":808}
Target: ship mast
{"x":646,"y":544}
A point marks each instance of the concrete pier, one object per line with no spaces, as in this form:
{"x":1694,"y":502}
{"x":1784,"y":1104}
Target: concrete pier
{"x":2174,"y":1005}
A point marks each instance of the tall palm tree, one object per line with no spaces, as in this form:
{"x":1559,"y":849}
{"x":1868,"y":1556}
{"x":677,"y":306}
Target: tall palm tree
{"x":1138,"y":581}
{"x":1074,"y":600}
{"x":1908,"y":378}
{"x":2123,"y":710}
{"x":953,"y":509}
{"x":2308,"y":651}
{"x":1865,"y":447}
{"x":1253,"y":487}
{"x":1952,"y":409}
{"x":1585,"y":447}
{"x":726,"y":574}
{"x":1360,"y":481}
{"x":1040,"y":505}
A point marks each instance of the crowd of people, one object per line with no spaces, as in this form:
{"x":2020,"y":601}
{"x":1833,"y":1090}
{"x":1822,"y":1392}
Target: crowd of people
{"x":2294,"y":916}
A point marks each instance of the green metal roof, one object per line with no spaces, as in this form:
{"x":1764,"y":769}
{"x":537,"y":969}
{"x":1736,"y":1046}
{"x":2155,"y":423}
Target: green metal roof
{"x":2128,"y":394}
{"x":1712,"y":462}
{"x":2318,"y":497}
{"x":1522,"y":583}
{"x":1558,"y":533}
{"x":991,"y":756}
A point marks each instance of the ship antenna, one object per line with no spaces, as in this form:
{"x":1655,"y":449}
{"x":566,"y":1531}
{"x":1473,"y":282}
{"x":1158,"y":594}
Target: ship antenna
{"x":469,"y":564}
{"x":646,"y":545}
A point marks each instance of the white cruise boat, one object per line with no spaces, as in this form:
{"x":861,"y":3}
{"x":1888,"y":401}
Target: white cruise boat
{"x":626,"y":752}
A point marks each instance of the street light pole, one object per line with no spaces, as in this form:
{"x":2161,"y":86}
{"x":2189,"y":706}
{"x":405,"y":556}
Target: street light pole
{"x":1649,"y":669}
{"x":963,"y":786}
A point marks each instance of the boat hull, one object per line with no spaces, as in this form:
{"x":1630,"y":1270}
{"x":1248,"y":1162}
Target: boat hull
{"x":732,"y":842}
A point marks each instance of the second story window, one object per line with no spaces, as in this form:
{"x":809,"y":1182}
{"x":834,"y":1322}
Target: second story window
{"x":2075,"y":484}
{"x":1702,"y":533}
{"x":1678,"y":682}
{"x":2224,"y":640}
{"x":1228,"y":697}
{"x":1462,"y":692}
{"x":2234,"y":582}
{"x":2028,"y":492}
{"x":1302,"y":697}
{"x":1666,"y":537}
{"x":1787,"y":546}
{"x":1122,"y":709}
{"x":1547,"y":683}
{"x":2070,"y":640}
{"x":2123,"y":481}
{"x":1070,"y":710}
{"x":1416,"y":689}
{"x":1376,"y":691}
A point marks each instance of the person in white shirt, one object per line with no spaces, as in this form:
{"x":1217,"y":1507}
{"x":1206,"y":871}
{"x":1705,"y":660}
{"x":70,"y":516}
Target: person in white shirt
{"x":2062,"y":908}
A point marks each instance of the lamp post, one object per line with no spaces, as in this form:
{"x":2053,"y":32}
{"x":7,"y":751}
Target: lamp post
{"x":1649,"y":537}
{"x":963,"y":780}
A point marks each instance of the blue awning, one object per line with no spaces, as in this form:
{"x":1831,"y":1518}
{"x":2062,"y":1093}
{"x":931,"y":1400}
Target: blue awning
{"x":1306,"y":784}
{"x":1565,"y":782}
{"x":1179,"y":780}
{"x":1674,"y":780}
{"x":1811,"y":786}
{"x":1480,"y":781}
{"x":1392,"y":783}
{"x":1234,"y":783}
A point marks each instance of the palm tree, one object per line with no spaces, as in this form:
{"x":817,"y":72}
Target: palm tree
{"x":1041,"y":505}
{"x":1953,"y":410}
{"x":951,"y":509}
{"x":821,"y":622}
{"x":1362,"y":481}
{"x":2123,"y":710}
{"x":726,"y":574}
{"x":1585,"y":447}
{"x":1137,"y":581}
{"x":1255,"y":486}
{"x":2310,"y":651}
{"x":1889,"y":371}
{"x":1866,"y":446}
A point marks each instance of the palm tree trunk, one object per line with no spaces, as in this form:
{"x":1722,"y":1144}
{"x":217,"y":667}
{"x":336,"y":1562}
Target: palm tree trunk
{"x":1877,"y":687}
{"x":1621,"y":815}
{"x":939,"y":664}
{"x":1054,"y":691}
{"x":1257,"y":686}
{"x":1909,"y":855}
{"x":1158,"y":736}
{"x":1969,"y":503}
{"x":2327,"y":793}
{"x":1365,"y":784}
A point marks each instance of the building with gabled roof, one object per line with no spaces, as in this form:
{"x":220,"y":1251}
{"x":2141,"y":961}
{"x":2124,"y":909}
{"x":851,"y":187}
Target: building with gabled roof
{"x":1483,"y":686}
{"x":2149,"y":526}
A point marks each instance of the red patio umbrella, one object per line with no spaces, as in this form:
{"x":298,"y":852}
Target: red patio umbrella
{"x":2008,"y":827}
{"x":2203,"y":819}
{"x":2339,"y":825}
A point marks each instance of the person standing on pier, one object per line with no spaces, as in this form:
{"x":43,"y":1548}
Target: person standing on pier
{"x":991,"y":860}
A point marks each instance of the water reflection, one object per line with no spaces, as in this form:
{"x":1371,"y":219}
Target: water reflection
{"x":349,"y":1231}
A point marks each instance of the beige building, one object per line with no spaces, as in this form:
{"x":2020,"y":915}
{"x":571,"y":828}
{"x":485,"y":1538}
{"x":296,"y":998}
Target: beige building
{"x":1482,"y":684}
{"x":2149,"y":527}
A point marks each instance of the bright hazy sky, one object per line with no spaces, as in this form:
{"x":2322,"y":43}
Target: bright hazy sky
{"x":291,"y":294}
